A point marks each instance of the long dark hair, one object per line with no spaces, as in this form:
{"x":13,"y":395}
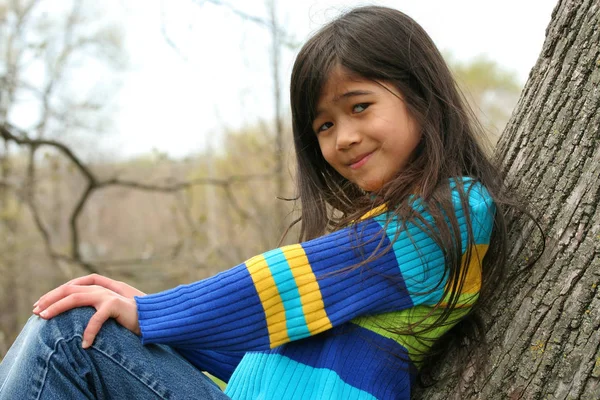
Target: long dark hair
{"x":386,"y":45}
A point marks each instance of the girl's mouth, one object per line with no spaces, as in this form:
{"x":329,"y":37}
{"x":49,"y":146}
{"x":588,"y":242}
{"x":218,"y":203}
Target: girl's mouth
{"x":360,"y":161}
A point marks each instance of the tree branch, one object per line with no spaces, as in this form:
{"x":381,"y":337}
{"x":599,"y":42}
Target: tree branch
{"x":20,"y":138}
{"x":13,"y":134}
{"x":285,"y":38}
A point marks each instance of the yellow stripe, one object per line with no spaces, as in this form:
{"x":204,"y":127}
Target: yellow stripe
{"x":308,"y":287}
{"x":472,"y":284}
{"x":473,"y":278}
{"x":376,"y":211}
{"x":270,"y":299}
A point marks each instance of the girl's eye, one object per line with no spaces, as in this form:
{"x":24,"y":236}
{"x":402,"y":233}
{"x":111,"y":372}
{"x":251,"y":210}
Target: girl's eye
{"x":360,"y":107}
{"x":324,"y":127}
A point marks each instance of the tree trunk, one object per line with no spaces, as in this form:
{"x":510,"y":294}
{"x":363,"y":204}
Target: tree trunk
{"x":280,"y":175}
{"x":543,"y":334}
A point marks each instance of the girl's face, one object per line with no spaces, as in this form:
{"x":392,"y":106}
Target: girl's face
{"x":364,"y":129}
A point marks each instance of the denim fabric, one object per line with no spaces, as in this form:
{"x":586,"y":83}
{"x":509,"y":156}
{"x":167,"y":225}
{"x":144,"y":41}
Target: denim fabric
{"x":47,"y":362}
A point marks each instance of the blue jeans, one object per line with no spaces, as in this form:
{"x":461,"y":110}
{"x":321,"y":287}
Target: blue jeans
{"x":47,"y":362}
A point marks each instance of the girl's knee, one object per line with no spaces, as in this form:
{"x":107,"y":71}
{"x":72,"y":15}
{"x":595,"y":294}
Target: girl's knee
{"x":77,"y":315}
{"x":40,"y":337}
{"x":66,"y":325}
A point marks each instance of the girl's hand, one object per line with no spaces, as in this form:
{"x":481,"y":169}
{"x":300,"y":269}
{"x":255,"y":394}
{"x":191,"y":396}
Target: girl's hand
{"x":110,"y":298}
{"x":118,"y":287}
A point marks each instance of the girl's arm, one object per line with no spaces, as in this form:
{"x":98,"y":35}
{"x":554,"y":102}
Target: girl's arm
{"x":300,"y":290}
{"x":116,"y":299}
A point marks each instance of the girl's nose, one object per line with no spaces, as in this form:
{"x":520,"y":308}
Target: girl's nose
{"x":347,"y":137}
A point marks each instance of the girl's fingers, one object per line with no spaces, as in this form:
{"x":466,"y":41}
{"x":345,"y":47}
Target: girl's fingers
{"x":94,"y":326}
{"x":82,"y":298}
{"x":107,"y":303}
{"x":93,"y":280}
{"x":58,"y":294}
{"x":116,"y":286}
{"x":83,"y":280}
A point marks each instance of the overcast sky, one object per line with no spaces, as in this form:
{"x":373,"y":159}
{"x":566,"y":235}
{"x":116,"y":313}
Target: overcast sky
{"x":220,"y":76}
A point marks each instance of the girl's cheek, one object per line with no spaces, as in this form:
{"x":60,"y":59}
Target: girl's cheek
{"x":325,"y":149}
{"x":327,"y":158}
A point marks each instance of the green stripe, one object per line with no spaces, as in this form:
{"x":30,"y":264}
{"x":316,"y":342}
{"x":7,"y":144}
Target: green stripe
{"x":395,"y":326}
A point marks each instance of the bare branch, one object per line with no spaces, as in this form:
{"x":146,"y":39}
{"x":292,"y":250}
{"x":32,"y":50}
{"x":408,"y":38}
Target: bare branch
{"x":252,"y":18}
{"x":285,"y":38}
{"x":13,"y":134}
{"x":75,"y":216}
{"x":31,"y":202}
{"x":177,"y":186}
{"x":163,"y":30}
{"x":21,"y":139}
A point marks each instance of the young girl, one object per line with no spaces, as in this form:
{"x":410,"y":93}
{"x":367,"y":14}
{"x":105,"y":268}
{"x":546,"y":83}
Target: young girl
{"x":398,"y":208}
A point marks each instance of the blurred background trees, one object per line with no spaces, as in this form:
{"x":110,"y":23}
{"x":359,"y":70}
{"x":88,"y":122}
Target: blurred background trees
{"x":47,"y":52}
{"x":491,"y":90}
{"x":68,"y":206}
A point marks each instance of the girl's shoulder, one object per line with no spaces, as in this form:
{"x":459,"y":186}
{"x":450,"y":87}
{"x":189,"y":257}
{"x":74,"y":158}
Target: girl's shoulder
{"x":468,"y":197}
{"x":476,"y":193}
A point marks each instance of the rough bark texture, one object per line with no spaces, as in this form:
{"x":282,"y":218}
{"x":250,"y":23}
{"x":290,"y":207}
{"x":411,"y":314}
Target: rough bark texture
{"x":543,"y":334}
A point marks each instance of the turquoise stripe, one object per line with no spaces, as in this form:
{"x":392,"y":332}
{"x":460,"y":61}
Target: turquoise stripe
{"x":414,"y":252}
{"x":291,"y":380}
{"x":288,"y":290}
{"x":414,"y":257}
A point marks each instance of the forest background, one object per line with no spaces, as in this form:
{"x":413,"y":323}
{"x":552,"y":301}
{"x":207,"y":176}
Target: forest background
{"x":76,"y":196}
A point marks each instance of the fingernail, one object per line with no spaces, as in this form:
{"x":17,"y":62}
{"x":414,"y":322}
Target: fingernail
{"x":36,"y":310}
{"x":36,"y":303}
{"x":44,"y":313}
{"x":85,"y":344}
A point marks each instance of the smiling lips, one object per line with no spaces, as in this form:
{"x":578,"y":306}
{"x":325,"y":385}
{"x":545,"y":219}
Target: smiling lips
{"x":360,"y":160}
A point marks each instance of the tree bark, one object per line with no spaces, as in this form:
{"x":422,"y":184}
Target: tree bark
{"x":543,"y":332}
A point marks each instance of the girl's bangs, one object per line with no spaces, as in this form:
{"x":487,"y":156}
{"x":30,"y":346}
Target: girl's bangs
{"x":315,"y":62}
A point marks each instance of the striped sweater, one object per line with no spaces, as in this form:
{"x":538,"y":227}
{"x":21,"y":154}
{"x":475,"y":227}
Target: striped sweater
{"x":299,"y":322}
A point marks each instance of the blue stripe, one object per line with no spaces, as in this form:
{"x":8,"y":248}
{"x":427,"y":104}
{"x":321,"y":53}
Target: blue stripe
{"x":377,"y":365}
{"x":288,"y":290}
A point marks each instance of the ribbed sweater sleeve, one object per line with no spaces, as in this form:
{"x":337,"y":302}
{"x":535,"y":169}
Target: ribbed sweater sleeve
{"x":296,"y":291}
